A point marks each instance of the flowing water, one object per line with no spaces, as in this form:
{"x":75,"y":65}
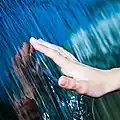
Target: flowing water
{"x":28,"y":88}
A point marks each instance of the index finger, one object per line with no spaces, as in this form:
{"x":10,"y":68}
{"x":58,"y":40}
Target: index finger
{"x":58,"y":58}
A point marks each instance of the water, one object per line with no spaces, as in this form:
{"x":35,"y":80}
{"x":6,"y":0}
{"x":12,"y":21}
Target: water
{"x":89,"y":30}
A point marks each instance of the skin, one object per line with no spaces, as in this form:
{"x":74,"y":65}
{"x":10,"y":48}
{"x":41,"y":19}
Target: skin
{"x":23,"y":58}
{"x":25,"y":52}
{"x":79,"y":77}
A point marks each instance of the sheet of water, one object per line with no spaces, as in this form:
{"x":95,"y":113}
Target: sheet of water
{"x":89,"y":30}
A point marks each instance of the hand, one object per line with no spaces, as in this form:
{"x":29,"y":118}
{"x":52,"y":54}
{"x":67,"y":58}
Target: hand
{"x":24,"y":54}
{"x":81,"y":78}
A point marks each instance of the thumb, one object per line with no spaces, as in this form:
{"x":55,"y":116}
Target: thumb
{"x":70,"y":83}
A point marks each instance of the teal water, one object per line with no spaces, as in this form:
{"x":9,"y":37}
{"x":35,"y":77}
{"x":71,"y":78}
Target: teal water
{"x":89,"y":30}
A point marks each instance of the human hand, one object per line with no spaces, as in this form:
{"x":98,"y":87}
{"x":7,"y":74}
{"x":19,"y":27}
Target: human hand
{"x":78,"y":77}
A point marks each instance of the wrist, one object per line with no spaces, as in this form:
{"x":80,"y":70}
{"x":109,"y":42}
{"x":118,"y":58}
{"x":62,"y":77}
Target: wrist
{"x":112,"y":78}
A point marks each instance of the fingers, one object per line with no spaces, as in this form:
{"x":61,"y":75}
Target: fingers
{"x":62,"y":51}
{"x":59,"y":49}
{"x":70,"y":83}
{"x":52,"y":53}
{"x":25,"y":48}
{"x":67,"y":54}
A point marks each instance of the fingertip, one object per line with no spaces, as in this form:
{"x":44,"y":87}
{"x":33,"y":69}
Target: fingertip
{"x":41,"y":40}
{"x":33,"y":40}
{"x":62,"y":81}
{"x":34,"y":43}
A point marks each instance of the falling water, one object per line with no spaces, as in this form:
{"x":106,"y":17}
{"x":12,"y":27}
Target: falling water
{"x":28,"y":88}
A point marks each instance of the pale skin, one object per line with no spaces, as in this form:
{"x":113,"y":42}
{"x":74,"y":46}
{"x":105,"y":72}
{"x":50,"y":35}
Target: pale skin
{"x":79,"y":77}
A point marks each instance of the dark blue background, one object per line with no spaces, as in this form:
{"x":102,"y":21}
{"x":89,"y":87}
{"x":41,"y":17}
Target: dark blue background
{"x":52,"y":20}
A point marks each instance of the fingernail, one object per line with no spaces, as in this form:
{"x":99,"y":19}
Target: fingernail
{"x":32,"y":40}
{"x":63,"y":82}
{"x":41,"y":40}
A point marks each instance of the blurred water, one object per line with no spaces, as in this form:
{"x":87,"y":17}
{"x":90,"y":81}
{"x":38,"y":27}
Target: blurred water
{"x":89,"y":30}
